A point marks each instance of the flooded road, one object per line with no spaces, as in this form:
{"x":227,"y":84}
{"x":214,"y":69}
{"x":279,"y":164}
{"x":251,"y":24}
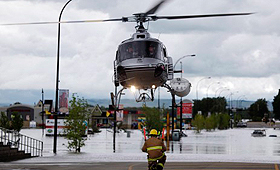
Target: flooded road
{"x":233,"y":145}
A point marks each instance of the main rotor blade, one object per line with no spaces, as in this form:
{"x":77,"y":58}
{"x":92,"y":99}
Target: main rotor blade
{"x":199,"y":16}
{"x":155,"y":8}
{"x":82,"y":21}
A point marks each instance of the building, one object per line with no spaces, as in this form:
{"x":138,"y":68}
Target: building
{"x":128,"y":118}
{"x":27,"y":112}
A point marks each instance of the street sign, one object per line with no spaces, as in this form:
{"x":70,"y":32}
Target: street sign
{"x":186,"y":109}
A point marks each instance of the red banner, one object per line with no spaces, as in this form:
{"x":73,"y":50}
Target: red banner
{"x":186,"y":110}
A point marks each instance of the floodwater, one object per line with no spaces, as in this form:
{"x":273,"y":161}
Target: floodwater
{"x":232,"y":145}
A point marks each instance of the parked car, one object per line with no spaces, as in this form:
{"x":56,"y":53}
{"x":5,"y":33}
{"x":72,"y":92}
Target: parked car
{"x":241,"y":124}
{"x":259,"y":133}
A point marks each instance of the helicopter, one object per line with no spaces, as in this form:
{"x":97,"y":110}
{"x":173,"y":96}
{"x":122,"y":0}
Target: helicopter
{"x":142,"y":62}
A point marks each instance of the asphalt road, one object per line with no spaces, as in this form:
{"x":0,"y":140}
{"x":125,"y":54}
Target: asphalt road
{"x":138,"y":166}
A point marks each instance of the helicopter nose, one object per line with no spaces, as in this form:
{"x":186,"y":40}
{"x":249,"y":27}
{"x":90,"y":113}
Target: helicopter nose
{"x":159,"y":70}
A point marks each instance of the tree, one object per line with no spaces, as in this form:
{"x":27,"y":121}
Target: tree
{"x":237,"y":117}
{"x":17,"y":122}
{"x":198,"y":122}
{"x":4,"y":121}
{"x":76,"y":124}
{"x":211,"y":122}
{"x":213,"y":105}
{"x":153,"y":118}
{"x":258,"y":109}
{"x":223,"y":121}
{"x":276,"y":105}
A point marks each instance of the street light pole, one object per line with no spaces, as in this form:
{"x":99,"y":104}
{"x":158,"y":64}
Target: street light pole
{"x":57,"y":79}
{"x":218,"y":90}
{"x":196,"y":105}
{"x":181,"y":105}
{"x":181,"y":102}
{"x":209,"y":87}
{"x":43,"y":113}
{"x":197,"y":86}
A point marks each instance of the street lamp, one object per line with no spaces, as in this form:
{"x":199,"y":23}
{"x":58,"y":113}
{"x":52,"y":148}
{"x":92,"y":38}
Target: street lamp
{"x":192,"y":55}
{"x":57,"y":79}
{"x":231,"y":98}
{"x":222,"y":91}
{"x":210,"y":85}
{"x":218,"y":90}
{"x":197,"y":86}
{"x":242,"y":100}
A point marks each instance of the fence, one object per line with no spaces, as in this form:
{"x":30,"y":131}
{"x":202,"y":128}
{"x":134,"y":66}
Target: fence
{"x":22,"y":142}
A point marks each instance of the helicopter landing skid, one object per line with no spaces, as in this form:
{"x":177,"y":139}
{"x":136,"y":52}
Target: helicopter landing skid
{"x":144,"y":97}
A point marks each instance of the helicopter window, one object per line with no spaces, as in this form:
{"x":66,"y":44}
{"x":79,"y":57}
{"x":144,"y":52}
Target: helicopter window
{"x":140,"y":36}
{"x":164,"y":52}
{"x":139,"y":49}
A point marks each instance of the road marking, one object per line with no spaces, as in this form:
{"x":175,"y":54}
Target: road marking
{"x":131,"y":166}
{"x":276,"y":167}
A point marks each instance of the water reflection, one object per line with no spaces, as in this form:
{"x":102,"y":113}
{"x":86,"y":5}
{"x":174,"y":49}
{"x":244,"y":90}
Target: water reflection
{"x":196,"y":148}
{"x":228,"y":142}
{"x":276,"y":148}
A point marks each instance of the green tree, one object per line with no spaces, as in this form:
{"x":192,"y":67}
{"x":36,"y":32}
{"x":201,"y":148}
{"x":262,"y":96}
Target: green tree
{"x":198,"y":122}
{"x":276,"y":105}
{"x":213,"y":105}
{"x":223,"y":121}
{"x":237,"y":118}
{"x":76,"y":124}
{"x":153,"y":118}
{"x":17,"y":122}
{"x":4,"y":121}
{"x":258,"y":109}
{"x":211,"y":122}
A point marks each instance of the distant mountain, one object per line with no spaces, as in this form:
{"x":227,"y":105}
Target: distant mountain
{"x":4,"y":104}
{"x":163,"y":102}
{"x":131,"y":102}
{"x":166,"y":103}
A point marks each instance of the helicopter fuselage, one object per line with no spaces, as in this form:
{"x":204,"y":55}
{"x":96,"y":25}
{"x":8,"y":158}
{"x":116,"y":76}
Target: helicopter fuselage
{"x":142,"y":62}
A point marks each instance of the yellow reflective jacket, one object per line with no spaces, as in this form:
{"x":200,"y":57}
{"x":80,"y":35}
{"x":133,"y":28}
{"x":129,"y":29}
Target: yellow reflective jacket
{"x":154,"y":147}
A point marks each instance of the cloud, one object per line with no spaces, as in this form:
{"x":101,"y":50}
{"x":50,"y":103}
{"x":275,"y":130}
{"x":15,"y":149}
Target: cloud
{"x":243,"y":51}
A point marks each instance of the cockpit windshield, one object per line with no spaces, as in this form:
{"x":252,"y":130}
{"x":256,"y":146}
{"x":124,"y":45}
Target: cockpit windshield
{"x":139,"y":49}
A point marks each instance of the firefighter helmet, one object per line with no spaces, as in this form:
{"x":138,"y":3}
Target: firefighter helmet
{"x":153,"y":132}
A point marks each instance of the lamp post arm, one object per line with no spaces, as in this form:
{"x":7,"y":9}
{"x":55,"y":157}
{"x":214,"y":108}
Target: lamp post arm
{"x":192,"y":55}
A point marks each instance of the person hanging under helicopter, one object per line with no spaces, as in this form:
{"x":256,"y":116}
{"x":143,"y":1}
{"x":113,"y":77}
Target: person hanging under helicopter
{"x":155,"y":149}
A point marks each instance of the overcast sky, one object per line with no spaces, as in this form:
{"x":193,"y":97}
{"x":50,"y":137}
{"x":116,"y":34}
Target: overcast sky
{"x":241,"y":53}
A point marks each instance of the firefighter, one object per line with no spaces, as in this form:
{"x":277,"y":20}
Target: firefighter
{"x":155,"y":149}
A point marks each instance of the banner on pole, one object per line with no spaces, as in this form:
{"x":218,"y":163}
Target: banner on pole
{"x":63,"y":101}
